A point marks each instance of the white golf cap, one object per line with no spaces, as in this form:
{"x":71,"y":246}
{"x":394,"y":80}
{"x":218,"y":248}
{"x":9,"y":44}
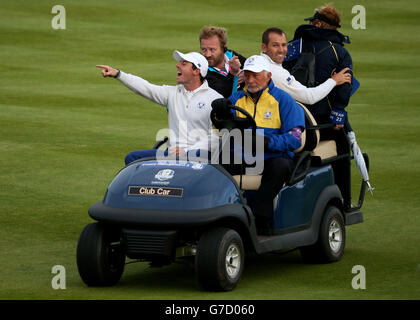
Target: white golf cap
{"x":257,"y":63}
{"x":195,"y":58}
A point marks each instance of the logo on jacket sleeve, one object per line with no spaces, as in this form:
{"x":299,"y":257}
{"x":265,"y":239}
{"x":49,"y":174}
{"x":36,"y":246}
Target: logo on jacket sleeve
{"x":201,"y":105}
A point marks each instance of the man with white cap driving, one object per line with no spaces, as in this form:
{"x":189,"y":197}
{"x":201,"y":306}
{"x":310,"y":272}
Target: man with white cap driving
{"x":282,"y":121}
{"x":188,"y":105}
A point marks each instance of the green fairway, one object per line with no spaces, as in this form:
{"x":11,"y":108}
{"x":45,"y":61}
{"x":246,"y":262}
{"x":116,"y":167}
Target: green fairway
{"x":64,"y":132}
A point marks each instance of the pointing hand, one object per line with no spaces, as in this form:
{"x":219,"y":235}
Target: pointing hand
{"x":108,"y":71}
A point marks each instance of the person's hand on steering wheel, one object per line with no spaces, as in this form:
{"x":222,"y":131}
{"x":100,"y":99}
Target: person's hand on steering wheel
{"x":222,"y":116}
{"x":221,"y":108}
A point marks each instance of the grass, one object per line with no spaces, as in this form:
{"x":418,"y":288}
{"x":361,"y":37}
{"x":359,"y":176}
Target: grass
{"x":64,"y":131}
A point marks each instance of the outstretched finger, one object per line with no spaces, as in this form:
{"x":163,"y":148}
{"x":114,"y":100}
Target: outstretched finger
{"x":102,"y":66}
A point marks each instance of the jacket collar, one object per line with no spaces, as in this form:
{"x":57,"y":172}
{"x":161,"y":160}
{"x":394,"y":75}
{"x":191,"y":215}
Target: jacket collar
{"x":261,"y":92}
{"x":269,"y":59}
{"x":313,"y":33}
{"x":204,"y":86}
{"x":225,"y":72}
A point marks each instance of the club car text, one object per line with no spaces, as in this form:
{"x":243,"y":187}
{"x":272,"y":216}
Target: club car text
{"x":155,"y":191}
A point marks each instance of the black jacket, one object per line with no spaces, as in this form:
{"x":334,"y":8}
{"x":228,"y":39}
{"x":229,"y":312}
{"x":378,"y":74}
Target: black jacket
{"x":221,"y":83}
{"x":327,"y":62}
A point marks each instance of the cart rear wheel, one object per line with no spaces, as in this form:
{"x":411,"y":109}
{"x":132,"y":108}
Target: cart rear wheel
{"x":219,"y":260}
{"x":100,"y":258}
{"x":331,"y":239}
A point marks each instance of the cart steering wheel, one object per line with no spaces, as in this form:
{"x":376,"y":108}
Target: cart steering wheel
{"x":235,"y":122}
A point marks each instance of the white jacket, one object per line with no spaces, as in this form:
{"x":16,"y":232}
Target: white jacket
{"x":189,"y":121}
{"x":285,"y":81}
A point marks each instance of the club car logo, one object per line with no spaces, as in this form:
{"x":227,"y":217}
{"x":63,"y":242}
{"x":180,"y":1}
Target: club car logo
{"x":165,"y":174}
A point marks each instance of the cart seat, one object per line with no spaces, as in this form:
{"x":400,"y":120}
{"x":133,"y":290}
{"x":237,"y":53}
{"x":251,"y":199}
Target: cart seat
{"x":249,"y":181}
{"x":326,"y":149}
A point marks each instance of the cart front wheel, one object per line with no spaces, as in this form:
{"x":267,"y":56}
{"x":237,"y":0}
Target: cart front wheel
{"x":219,"y":260}
{"x":100,"y":258}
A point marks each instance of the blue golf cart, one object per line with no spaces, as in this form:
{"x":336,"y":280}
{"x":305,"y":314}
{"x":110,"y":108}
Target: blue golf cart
{"x":164,"y":210}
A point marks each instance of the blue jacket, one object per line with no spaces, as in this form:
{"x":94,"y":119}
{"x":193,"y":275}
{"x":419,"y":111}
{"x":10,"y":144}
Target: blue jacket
{"x":327,"y":62}
{"x":277,"y":114}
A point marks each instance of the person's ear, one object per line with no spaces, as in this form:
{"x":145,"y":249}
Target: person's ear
{"x":196,"y":71}
{"x":263,"y":48}
{"x":269,"y":76}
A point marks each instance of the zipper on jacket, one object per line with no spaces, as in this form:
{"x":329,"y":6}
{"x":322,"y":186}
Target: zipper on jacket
{"x":255,"y":102}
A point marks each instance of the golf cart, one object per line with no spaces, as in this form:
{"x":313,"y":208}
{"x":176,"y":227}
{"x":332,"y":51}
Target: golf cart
{"x":164,"y":210}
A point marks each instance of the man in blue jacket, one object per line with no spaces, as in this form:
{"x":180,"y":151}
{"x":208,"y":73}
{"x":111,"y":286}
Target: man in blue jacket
{"x":322,"y":37}
{"x":282,"y":121}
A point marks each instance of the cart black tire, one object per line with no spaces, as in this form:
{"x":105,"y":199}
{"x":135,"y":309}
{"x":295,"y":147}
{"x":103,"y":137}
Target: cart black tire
{"x":331,"y":239}
{"x":99,"y":263}
{"x":219,"y":262}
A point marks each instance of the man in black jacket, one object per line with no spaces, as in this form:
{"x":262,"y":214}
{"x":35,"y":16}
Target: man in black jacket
{"x":224,"y":74}
{"x":321,"y":35}
{"x":322,"y":38}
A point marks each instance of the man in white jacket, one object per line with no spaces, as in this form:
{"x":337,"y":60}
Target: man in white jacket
{"x":188,"y":105}
{"x":274,"y":50}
